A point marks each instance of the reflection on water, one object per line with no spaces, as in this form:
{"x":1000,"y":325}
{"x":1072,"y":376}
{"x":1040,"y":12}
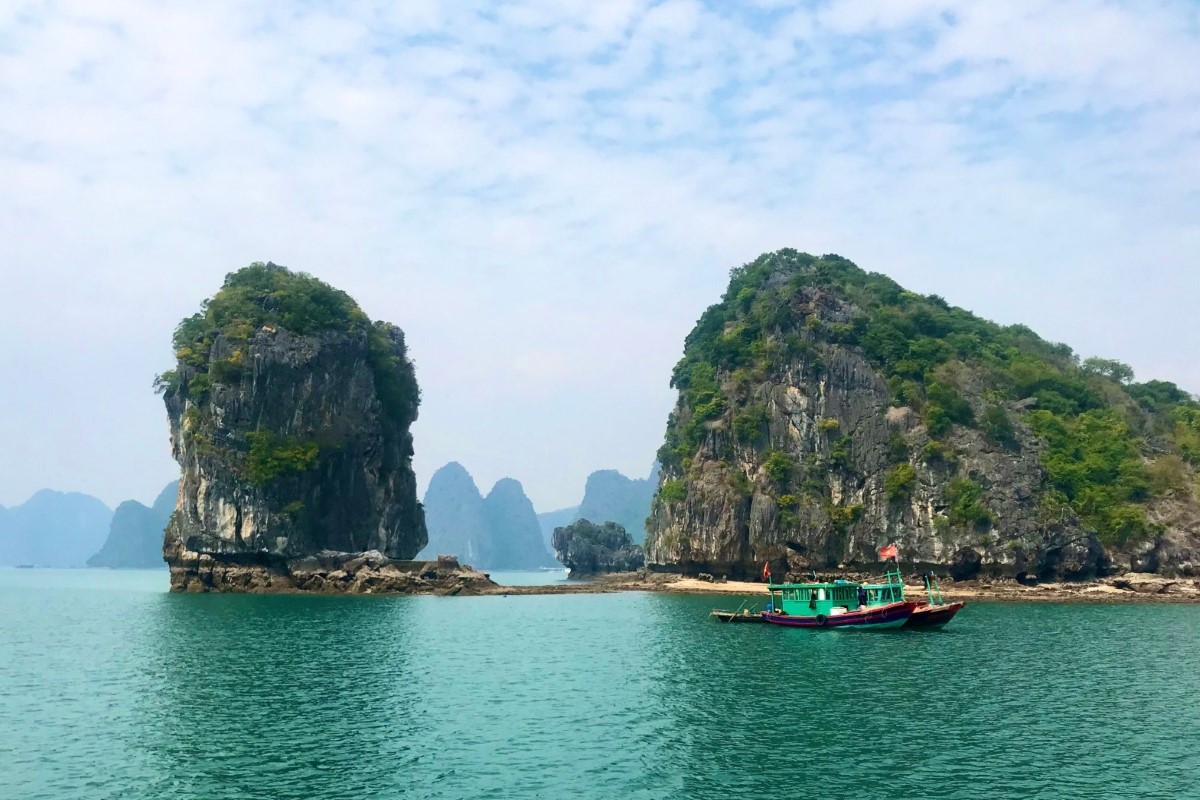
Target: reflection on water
{"x":295,"y":693}
{"x":113,"y":689}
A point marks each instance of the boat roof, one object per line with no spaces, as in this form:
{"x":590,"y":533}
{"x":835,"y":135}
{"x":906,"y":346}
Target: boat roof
{"x":826,"y":585}
{"x":829,"y":585}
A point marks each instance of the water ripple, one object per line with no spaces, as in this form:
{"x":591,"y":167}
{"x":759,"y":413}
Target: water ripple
{"x":113,"y":689}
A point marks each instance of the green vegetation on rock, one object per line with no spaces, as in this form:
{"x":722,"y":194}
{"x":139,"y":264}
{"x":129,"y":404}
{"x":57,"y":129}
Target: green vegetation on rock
{"x":997,"y":426}
{"x":273,"y":297}
{"x":899,"y":483}
{"x":966,"y":504}
{"x":966,"y":395}
{"x":1096,"y":469}
{"x":272,"y":457}
{"x":672,"y":491}
{"x":780,"y":466}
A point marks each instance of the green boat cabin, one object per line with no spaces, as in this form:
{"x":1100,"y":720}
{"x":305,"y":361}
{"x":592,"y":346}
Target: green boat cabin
{"x":831,"y":599}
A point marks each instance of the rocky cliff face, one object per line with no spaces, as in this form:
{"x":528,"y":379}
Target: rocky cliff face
{"x":589,"y":549}
{"x":497,"y":532}
{"x":289,"y":413}
{"x":825,"y":411}
{"x":135,"y":536}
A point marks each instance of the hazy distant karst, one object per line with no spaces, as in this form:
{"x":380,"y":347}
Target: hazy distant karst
{"x":516,"y":539}
{"x":824,"y":411}
{"x":589,"y":549}
{"x":454,"y":516}
{"x":135,"y":535}
{"x":289,"y":413}
{"x":53,"y":529}
{"x":549,"y":520}
{"x":608,"y":495}
{"x":497,"y":532}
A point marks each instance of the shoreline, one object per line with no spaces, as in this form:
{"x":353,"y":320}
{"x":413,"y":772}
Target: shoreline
{"x":1127,"y":588}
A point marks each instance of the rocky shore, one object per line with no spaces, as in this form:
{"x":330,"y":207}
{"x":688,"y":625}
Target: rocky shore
{"x":1131,"y":587}
{"x":327,"y":573}
{"x":373,"y":573}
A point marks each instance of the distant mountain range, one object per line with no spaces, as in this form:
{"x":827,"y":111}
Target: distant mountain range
{"x":70,"y":529}
{"x":53,"y":529}
{"x":502,"y":531}
{"x":499,"y":531}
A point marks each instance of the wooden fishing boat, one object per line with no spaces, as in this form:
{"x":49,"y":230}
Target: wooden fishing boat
{"x":840,"y":604}
{"x":744,"y":615}
{"x":936,"y":612}
{"x":848,"y":604}
{"x":893,"y":615}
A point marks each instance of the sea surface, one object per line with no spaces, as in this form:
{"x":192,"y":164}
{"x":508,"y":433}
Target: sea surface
{"x":112,"y":688}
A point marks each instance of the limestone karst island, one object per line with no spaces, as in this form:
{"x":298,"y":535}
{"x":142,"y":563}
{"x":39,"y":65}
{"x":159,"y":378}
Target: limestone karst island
{"x":823,"y":413}
{"x":290,"y":412}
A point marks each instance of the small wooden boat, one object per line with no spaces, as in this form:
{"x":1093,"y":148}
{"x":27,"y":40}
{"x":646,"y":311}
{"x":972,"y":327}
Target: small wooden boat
{"x":840,"y":604}
{"x":929,"y":615}
{"x":936,"y":612}
{"x":744,"y":615}
{"x":848,"y":604}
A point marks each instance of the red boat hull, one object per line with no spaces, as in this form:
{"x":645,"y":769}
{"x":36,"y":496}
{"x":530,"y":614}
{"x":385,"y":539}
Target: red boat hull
{"x":927,"y":616}
{"x":893,"y":615}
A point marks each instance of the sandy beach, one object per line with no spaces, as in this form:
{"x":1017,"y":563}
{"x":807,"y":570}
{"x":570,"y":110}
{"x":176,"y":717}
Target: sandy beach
{"x":1130,"y":587}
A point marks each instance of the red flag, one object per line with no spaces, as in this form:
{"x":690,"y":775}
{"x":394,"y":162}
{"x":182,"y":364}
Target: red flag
{"x":888,"y":551}
{"x":766,"y":573}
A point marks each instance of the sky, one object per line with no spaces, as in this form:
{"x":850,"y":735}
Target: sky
{"x":546,"y":194}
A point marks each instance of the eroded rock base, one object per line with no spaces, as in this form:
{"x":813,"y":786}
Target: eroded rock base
{"x":325,"y":573}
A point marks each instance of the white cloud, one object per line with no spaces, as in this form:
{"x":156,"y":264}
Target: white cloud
{"x":546,"y":195}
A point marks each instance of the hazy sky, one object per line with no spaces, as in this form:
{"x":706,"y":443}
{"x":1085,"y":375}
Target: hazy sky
{"x":546,"y":195}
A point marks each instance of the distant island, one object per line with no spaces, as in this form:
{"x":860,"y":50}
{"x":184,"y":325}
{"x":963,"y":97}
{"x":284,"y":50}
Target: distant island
{"x":502,"y":532}
{"x":588,"y":549}
{"x":825,"y":411}
{"x":72,"y":529}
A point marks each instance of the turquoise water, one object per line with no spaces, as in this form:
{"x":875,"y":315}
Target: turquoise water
{"x":111,"y":688}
